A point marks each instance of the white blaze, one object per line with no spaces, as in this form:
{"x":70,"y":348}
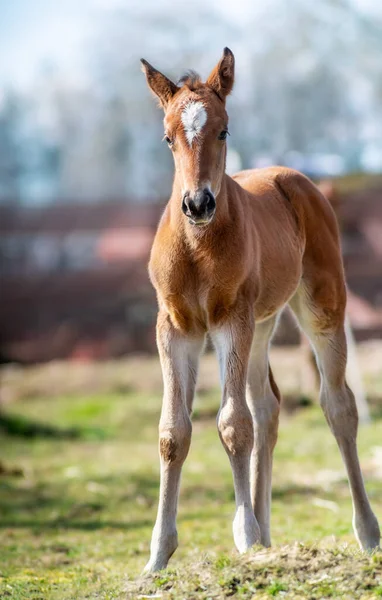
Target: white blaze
{"x":194,"y":117}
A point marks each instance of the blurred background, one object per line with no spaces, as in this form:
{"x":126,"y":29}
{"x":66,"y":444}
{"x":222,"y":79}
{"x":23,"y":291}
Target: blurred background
{"x":84,"y":177}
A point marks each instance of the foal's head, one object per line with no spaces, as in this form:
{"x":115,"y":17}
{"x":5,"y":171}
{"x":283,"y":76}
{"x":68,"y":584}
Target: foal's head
{"x":196,"y":127}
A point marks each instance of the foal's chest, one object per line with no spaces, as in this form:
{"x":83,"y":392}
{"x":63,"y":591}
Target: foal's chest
{"x":197,"y":295}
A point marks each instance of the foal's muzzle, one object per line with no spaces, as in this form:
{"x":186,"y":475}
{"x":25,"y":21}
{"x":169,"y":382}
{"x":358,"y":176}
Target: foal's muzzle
{"x":199,"y":208}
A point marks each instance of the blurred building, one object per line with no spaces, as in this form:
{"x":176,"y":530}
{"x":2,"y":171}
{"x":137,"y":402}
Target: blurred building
{"x":74,"y":280}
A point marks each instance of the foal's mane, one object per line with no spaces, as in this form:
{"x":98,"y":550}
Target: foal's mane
{"x":193,"y":82}
{"x":191,"y":79}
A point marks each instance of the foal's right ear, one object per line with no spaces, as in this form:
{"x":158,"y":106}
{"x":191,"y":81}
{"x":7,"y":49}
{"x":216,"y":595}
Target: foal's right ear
{"x":159,"y":84}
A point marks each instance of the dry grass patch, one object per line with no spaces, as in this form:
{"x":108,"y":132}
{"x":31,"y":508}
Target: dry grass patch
{"x":294,"y":572}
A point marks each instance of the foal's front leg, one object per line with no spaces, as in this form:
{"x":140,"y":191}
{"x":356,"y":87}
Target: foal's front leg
{"x":179,"y":360}
{"x":233,"y":343}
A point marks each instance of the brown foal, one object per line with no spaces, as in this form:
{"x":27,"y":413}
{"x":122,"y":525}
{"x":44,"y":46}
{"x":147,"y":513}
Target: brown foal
{"x":229,"y":254}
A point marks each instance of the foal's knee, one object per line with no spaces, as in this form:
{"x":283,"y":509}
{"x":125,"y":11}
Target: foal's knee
{"x":236,"y":428}
{"x":174,"y":441}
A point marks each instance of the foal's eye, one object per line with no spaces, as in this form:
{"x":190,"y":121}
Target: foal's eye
{"x":168,"y":140}
{"x":223,"y":135}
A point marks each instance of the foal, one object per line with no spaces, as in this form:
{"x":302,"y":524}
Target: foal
{"x":228,"y":255}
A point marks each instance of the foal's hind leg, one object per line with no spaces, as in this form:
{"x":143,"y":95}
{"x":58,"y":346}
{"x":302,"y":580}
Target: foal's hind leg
{"x":263,"y":400}
{"x":326,"y":333}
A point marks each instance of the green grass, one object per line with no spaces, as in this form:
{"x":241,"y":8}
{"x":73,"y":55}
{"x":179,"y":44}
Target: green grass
{"x":76,"y":522}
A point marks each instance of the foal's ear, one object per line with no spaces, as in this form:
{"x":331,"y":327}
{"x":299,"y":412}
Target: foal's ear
{"x":159,"y":84}
{"x":222,"y":77}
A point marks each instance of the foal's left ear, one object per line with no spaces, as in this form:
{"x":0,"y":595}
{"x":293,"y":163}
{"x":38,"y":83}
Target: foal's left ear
{"x":222,"y":76}
{"x":159,"y":84}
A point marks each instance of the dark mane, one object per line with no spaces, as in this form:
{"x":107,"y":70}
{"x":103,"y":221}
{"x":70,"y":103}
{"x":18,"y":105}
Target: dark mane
{"x":191,"y":79}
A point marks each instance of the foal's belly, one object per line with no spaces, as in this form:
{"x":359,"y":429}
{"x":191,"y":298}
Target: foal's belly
{"x":277,"y":290}
{"x":269,"y":305}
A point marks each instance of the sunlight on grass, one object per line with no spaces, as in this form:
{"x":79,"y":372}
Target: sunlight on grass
{"x":76,"y":522}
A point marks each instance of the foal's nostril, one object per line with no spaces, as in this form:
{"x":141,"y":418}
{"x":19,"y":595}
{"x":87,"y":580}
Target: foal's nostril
{"x":185,"y":201}
{"x":210,"y":204}
{"x":201,"y":205}
{"x":192,"y":207}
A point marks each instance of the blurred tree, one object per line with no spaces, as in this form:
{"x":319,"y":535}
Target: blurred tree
{"x":309,"y":81}
{"x":11,"y":168}
{"x":306,"y":77}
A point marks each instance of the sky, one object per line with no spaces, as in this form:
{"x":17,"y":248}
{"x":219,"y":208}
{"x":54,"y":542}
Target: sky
{"x":38,"y":34}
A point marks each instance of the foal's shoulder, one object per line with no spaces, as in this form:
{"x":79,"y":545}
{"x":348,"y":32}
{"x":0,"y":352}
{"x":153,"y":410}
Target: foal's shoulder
{"x":258,"y":178}
{"x":264,"y":183}
{"x":282,"y":182}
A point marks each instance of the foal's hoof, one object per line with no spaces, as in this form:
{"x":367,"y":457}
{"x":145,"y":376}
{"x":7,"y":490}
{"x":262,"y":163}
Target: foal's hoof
{"x":153,"y":566}
{"x":246,"y":530}
{"x":161,"y":552}
{"x":157,"y":563}
{"x":367,"y":533}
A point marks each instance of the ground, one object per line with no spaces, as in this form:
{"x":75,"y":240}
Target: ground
{"x":79,"y":486}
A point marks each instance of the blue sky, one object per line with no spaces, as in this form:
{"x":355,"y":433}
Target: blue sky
{"x":38,"y":33}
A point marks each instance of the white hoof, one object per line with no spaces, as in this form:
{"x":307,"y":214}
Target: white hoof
{"x":367,"y":532}
{"x":161,"y":551}
{"x":154,"y":565}
{"x":246,"y":530}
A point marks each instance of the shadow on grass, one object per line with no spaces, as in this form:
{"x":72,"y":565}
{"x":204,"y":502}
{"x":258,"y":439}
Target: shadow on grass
{"x":17,"y":426}
{"x":226,"y":492}
{"x":69,"y":504}
{"x":33,"y":507}
{"x":43,"y":525}
{"x":292,"y":490}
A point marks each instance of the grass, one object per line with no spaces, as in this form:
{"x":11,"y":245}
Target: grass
{"x":76,"y":510}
